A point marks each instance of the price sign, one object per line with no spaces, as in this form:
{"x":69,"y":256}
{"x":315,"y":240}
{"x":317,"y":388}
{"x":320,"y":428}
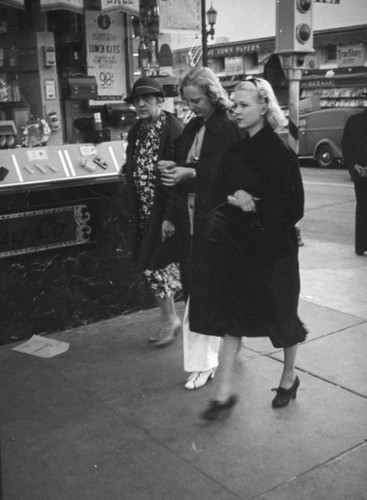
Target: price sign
{"x":37,"y":154}
{"x":106,"y":55}
{"x":88,"y":150}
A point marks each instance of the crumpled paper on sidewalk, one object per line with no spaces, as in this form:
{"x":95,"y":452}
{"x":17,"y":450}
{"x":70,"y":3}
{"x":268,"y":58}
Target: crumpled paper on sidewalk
{"x":43,"y":347}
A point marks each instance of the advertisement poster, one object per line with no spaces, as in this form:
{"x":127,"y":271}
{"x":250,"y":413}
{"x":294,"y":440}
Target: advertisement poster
{"x":106,"y":55}
{"x":350,"y":55}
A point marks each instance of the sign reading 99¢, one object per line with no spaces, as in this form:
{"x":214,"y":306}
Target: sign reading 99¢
{"x":105,"y":55}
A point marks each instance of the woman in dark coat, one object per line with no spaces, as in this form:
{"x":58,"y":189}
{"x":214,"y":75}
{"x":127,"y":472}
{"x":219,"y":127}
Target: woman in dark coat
{"x":195,"y":176}
{"x":155,"y":251}
{"x":254,"y":258}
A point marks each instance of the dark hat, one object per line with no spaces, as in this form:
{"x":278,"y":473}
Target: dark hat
{"x":144,"y":86}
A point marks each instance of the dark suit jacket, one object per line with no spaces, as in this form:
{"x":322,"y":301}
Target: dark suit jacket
{"x":354,"y":144}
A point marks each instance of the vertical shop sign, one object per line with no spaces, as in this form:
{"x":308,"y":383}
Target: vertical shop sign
{"x":106,"y":55}
{"x":73,"y":5}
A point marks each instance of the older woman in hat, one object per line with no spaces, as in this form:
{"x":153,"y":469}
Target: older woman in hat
{"x":155,"y":249}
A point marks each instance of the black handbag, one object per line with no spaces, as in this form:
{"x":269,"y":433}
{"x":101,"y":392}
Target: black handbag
{"x":224,"y":224}
{"x":229,"y":225}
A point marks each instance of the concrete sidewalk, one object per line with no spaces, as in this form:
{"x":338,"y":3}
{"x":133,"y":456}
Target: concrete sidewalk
{"x":110,"y":419}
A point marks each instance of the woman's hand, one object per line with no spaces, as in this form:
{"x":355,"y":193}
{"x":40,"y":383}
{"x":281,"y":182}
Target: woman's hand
{"x":168,"y":229}
{"x":245,"y":201}
{"x":362,"y":171}
{"x":175,"y":174}
{"x":162,"y":165}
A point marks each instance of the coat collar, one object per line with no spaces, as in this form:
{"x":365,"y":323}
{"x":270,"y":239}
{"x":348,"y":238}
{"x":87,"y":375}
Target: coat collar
{"x":263,"y":135}
{"x":214,"y":123}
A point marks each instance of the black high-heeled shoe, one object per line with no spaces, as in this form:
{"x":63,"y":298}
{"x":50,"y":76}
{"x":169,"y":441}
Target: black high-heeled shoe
{"x":285,"y":395}
{"x":217,"y":410}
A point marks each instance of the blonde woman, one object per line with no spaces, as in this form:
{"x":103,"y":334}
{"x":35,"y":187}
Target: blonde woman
{"x":255,"y":283}
{"x":194,"y":176}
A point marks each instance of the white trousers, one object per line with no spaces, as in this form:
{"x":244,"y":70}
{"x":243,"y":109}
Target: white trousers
{"x":200,"y":351}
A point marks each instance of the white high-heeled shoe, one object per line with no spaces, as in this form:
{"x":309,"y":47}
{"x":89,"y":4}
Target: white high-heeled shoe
{"x":199,"y":379}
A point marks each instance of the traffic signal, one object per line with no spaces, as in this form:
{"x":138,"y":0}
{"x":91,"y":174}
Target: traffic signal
{"x":294,"y":26}
{"x":149,"y":17}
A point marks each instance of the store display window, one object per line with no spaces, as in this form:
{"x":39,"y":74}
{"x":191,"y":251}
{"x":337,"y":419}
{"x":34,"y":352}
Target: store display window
{"x":63,"y":67}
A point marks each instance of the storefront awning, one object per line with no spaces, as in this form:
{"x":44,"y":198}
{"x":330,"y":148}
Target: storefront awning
{"x":73,"y":5}
{"x":106,"y":6}
{"x":18,"y":4}
{"x":343,"y":36}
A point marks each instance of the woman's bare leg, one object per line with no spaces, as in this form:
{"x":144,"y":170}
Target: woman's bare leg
{"x":224,"y":383}
{"x":288,"y":374}
{"x":167,"y":309}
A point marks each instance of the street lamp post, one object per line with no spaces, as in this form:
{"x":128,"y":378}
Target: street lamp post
{"x":212,"y":18}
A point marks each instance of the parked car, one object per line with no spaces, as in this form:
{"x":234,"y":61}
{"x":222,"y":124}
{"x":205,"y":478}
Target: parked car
{"x":320,"y":135}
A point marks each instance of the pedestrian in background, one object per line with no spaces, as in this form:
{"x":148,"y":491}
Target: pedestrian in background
{"x":354,"y":144}
{"x":195,"y":177}
{"x":254,"y":270}
{"x":155,"y":245}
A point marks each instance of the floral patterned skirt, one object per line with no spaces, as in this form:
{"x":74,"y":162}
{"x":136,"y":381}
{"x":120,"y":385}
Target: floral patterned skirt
{"x":164,"y":282}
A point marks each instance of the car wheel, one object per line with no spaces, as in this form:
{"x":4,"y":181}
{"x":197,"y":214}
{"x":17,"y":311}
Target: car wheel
{"x":325,"y":156}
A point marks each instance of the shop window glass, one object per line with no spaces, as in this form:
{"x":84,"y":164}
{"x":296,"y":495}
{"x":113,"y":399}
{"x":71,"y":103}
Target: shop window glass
{"x":255,"y":59}
{"x":58,"y":70}
{"x":331,"y":52}
{"x":221,"y":64}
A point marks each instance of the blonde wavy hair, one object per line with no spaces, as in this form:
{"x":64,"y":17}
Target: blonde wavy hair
{"x":208,"y":82}
{"x":265,"y":95}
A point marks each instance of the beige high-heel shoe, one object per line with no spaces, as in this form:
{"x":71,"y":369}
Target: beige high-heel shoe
{"x":169,"y":337}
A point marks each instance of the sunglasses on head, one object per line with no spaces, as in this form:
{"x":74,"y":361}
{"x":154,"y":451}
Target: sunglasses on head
{"x":252,"y":80}
{"x":255,"y":82}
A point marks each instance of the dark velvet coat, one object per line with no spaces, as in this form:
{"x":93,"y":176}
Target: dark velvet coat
{"x":254,"y":279}
{"x":150,"y":252}
{"x":221,"y":132}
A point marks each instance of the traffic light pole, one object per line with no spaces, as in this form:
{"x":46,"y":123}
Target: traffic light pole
{"x":293,"y":63}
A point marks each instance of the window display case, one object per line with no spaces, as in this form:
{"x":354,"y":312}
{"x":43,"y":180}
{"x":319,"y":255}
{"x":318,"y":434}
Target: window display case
{"x":64,"y":218}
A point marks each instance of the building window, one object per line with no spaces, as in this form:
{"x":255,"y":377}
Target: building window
{"x":221,"y":64}
{"x":331,"y":52}
{"x":254,"y":59}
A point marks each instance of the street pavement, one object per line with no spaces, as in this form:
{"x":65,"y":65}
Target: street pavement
{"x":110,"y":418}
